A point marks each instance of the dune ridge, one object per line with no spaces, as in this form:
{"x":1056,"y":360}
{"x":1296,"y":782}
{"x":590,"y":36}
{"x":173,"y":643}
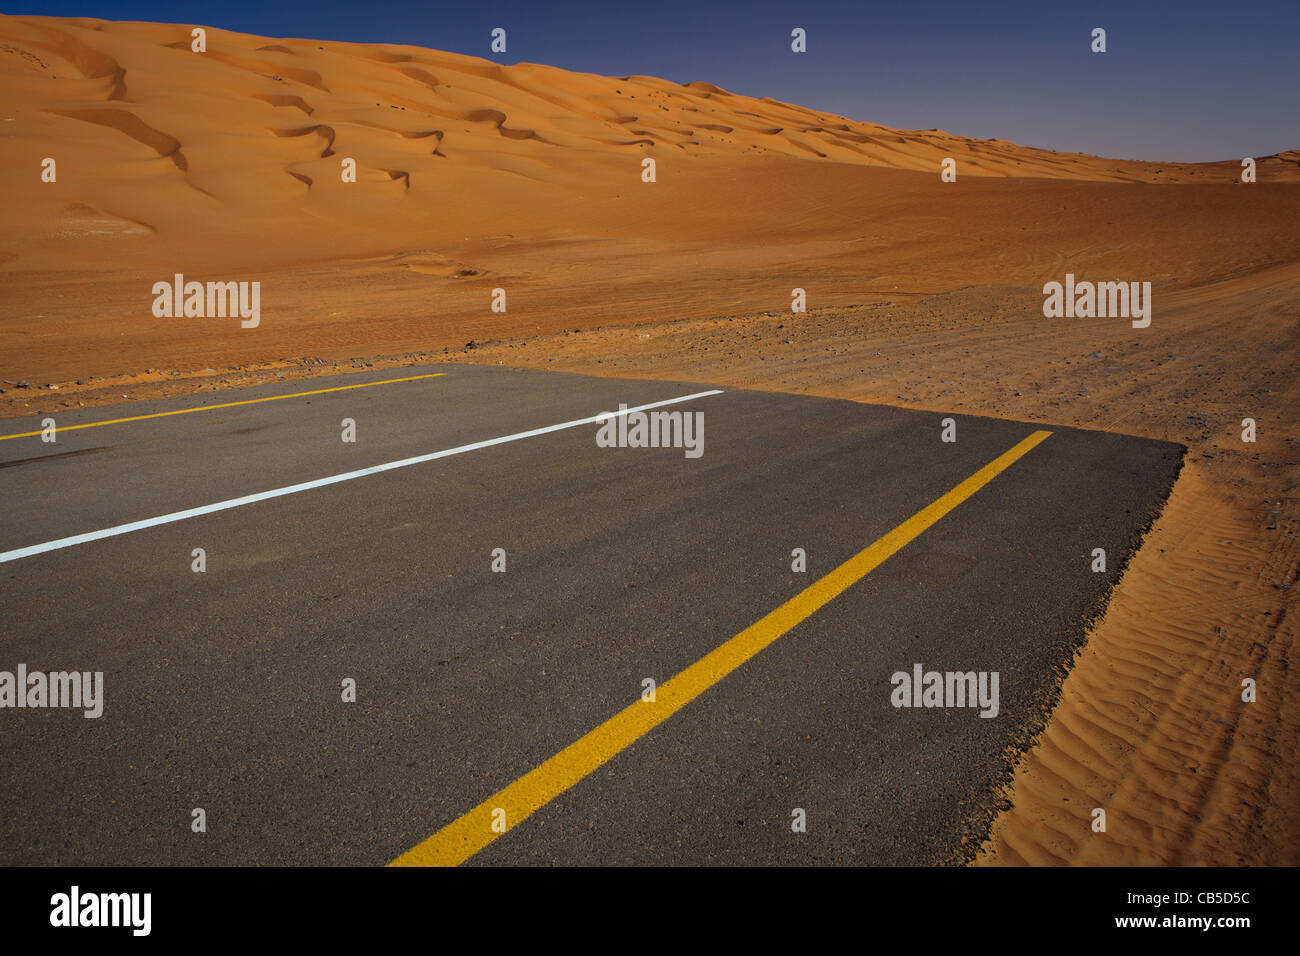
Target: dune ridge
{"x":568,"y":126}
{"x":497,"y":129}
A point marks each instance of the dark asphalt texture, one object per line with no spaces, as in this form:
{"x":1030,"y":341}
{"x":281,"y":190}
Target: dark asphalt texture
{"x":223,"y":688}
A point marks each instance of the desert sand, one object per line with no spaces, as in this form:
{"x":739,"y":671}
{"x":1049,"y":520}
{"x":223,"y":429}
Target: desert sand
{"x":471,"y":176}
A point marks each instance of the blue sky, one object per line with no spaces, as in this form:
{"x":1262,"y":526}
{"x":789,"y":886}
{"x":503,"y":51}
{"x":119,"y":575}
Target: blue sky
{"x":1190,"y":81}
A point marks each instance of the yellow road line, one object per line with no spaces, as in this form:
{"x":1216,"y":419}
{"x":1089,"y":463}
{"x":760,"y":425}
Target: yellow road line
{"x":208,"y":408}
{"x":462,"y":838}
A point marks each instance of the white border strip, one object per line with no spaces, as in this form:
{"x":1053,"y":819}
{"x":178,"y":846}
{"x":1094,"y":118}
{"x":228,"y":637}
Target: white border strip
{"x":331,"y":480}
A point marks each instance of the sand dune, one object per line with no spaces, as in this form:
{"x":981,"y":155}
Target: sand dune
{"x":473,"y":176}
{"x":210,"y":113}
{"x":129,"y":123}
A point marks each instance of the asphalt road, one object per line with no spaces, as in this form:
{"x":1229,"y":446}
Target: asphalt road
{"x":223,"y":688}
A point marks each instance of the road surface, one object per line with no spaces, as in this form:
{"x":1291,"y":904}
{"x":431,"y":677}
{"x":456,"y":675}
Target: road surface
{"x":223,"y":689}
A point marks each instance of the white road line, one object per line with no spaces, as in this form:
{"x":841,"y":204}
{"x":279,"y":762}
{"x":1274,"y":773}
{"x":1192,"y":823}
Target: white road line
{"x":331,"y":480}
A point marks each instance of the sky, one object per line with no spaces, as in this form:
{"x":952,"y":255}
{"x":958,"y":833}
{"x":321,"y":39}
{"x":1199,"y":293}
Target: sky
{"x":1187,"y":81}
